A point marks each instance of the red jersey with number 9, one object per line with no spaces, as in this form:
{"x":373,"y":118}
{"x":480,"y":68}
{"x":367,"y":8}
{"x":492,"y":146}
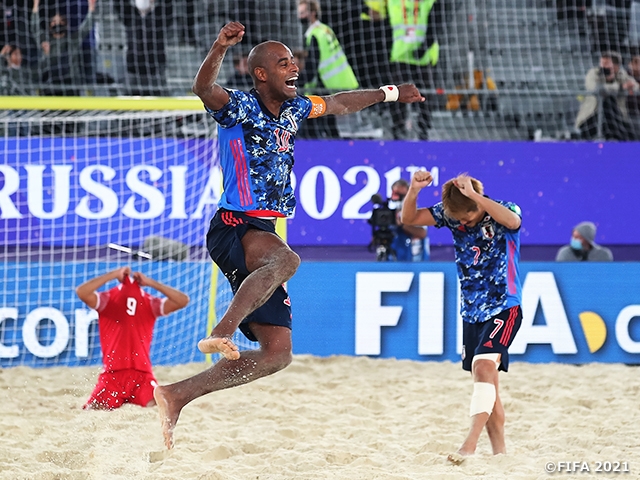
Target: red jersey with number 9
{"x":126,"y":316}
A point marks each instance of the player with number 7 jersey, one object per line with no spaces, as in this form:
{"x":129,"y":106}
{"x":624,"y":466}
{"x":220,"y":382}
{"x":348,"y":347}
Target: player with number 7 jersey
{"x":486,"y":238}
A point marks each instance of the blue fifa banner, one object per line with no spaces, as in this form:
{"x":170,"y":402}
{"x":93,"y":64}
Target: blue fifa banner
{"x":557,"y":186}
{"x":572,"y":313}
{"x":95,"y":191}
{"x":43,"y":323}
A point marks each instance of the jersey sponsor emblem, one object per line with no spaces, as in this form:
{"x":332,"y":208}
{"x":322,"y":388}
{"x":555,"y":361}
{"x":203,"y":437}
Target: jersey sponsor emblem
{"x":488,"y":344}
{"x":287,"y":302}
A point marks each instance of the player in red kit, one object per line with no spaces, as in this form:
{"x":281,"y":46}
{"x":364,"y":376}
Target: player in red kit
{"x":126,"y":317}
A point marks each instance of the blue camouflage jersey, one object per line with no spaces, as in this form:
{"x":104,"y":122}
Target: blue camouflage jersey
{"x":256,"y":153}
{"x":487,"y":258}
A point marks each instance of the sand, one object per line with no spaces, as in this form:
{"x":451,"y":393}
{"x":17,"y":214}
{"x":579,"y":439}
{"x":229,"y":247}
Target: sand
{"x":323,"y":418}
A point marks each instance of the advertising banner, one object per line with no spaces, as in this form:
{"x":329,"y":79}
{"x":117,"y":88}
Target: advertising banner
{"x":572,"y":313}
{"x":44,"y":323}
{"x":95,"y":191}
{"x":557,"y":185}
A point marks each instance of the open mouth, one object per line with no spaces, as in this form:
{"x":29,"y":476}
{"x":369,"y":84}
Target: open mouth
{"x":291,"y":82}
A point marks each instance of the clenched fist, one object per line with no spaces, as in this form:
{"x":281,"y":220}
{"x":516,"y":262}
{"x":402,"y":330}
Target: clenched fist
{"x":231,"y":34}
{"x":421,"y":179}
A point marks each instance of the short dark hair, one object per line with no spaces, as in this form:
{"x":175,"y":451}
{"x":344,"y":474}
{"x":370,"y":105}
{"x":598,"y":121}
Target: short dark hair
{"x":400,"y":183}
{"x":615,"y":57}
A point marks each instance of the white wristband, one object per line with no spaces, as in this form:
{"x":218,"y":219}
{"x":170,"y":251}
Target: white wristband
{"x":391,"y":93}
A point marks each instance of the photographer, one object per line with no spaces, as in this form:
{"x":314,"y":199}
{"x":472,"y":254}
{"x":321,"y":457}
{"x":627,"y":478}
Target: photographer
{"x":410,"y":242}
{"x":392,"y":240}
{"x":610,"y":85}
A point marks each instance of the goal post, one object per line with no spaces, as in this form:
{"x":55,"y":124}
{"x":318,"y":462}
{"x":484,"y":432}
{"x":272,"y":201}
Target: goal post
{"x":91,"y":184}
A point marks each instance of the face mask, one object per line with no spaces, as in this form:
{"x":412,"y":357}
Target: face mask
{"x":143,"y":4}
{"x":59,"y":29}
{"x":304,"y":22}
{"x":605,"y":71}
{"x":576,"y":244}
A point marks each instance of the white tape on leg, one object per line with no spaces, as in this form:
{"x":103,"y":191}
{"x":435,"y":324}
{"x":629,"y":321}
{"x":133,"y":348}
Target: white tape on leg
{"x":483,"y":398}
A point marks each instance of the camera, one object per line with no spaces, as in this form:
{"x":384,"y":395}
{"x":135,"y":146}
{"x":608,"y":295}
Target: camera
{"x":383,"y":226}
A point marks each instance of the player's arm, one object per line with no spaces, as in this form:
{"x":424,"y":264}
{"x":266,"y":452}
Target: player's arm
{"x":87,"y":291}
{"x":343,"y":103}
{"x":204,"y":84}
{"x":175,"y":298}
{"x":411,"y":214}
{"x":499,"y":213}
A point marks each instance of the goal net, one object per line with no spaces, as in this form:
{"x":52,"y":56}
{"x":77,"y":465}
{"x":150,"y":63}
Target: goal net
{"x":507,"y":69}
{"x":82,"y":192}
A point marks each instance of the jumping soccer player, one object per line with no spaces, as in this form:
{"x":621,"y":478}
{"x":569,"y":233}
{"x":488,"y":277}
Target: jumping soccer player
{"x":126,"y":316}
{"x":486,"y":237}
{"x":256,"y":136}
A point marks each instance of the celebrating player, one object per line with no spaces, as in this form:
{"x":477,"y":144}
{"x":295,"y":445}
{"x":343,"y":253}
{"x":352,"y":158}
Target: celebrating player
{"x":256,"y":135}
{"x":126,"y":316}
{"x":486,"y":237}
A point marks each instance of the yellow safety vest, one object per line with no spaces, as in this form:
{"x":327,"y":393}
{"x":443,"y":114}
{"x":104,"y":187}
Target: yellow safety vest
{"x":409,"y":19}
{"x":333,"y":68}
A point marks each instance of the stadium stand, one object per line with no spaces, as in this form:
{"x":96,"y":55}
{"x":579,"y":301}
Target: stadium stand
{"x":532,"y":56}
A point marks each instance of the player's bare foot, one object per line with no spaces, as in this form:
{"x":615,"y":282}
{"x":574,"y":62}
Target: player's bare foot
{"x":456,"y":458}
{"x":221,"y":345}
{"x":168,"y":419}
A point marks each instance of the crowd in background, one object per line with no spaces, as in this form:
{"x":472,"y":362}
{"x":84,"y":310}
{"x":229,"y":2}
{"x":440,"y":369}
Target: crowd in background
{"x":51,"y":47}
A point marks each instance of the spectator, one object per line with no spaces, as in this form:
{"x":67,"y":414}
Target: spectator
{"x":410,"y":242}
{"x":146,"y":25}
{"x":326,"y":67}
{"x":608,"y":82}
{"x":16,"y":76}
{"x":241,"y":78}
{"x":14,"y":28}
{"x":583,"y":246}
{"x":633,"y":102}
{"x":126,"y":317}
{"x":413,"y":52}
{"x":60,"y":58}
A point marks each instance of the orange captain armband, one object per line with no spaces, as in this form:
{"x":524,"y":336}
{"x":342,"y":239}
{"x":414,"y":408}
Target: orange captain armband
{"x":318,"y":106}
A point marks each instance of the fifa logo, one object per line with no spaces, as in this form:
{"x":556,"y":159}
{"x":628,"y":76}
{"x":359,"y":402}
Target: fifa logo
{"x":287,"y":115}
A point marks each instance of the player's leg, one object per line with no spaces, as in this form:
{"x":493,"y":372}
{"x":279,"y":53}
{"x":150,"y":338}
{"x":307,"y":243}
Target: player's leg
{"x":274,"y":354}
{"x":106,"y":395}
{"x":271,"y":263}
{"x":140,"y":388}
{"x":485,"y":377}
{"x":490,"y":342}
{"x":495,"y":426}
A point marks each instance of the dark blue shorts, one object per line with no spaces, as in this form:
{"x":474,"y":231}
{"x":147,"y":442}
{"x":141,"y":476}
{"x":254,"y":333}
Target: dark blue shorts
{"x":224,"y":242}
{"x":493,"y":336}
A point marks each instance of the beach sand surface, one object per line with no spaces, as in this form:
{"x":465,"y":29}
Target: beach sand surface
{"x":346,"y":418}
